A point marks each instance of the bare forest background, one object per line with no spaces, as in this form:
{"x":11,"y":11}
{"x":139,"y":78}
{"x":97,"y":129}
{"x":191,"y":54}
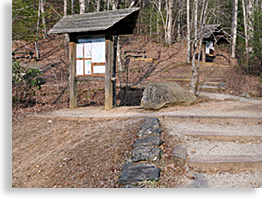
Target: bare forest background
{"x":161,"y":23}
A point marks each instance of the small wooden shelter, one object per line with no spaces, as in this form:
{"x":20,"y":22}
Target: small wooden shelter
{"x":91,"y":50}
{"x":212,"y":35}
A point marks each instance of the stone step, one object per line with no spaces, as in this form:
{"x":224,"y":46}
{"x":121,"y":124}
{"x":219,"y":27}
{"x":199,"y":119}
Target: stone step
{"x":228,"y":163}
{"x":224,"y":135}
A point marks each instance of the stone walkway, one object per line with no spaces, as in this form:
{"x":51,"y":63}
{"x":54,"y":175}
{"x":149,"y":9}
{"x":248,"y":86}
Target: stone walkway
{"x":146,"y":149}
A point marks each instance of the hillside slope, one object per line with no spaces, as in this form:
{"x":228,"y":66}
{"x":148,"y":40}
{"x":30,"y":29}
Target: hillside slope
{"x":169,"y":65}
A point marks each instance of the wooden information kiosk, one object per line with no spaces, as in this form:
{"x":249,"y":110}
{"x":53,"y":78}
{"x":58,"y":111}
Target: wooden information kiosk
{"x":91,"y":49}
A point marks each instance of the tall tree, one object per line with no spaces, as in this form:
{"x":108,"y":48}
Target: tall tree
{"x":188,"y":30}
{"x":72,"y":7}
{"x":245,"y":30}
{"x":82,"y":6}
{"x":42,"y":3}
{"x":98,"y":5}
{"x":194,"y":69}
{"x":234,"y":28}
{"x":179,"y":21}
{"x":169,"y":22}
{"x":37,"y":31}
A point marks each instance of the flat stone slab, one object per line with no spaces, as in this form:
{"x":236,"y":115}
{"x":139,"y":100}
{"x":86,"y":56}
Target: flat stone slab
{"x":149,"y":132}
{"x":151,"y":122}
{"x":150,"y":141}
{"x":147,"y":154}
{"x":205,"y":163}
{"x":151,"y":126}
{"x":133,"y":173}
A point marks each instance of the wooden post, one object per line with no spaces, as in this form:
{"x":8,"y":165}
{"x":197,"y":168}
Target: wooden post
{"x":72,"y":73}
{"x":215,"y":46}
{"x":109,"y":71}
{"x":191,"y":49}
{"x":204,"y":52}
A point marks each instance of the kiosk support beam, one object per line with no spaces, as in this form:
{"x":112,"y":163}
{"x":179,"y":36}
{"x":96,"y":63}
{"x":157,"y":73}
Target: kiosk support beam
{"x":109,"y":71}
{"x":72,"y":74}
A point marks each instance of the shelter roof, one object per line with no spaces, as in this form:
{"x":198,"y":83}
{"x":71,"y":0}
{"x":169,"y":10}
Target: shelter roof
{"x":213,"y":32}
{"x":210,"y":30}
{"x":120,"y":21}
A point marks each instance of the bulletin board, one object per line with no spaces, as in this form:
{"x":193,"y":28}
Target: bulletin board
{"x":90,"y":56}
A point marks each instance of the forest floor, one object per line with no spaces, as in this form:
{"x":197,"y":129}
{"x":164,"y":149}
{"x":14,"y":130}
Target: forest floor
{"x":71,"y":153}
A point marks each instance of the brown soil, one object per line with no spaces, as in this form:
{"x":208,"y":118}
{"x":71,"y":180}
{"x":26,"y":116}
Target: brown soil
{"x":53,"y":153}
{"x":70,"y":153}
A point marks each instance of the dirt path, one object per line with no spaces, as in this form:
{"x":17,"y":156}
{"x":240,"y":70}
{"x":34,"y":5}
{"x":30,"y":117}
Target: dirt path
{"x":219,"y":105}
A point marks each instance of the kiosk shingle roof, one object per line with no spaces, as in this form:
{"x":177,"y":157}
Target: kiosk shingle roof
{"x":121,"y":21}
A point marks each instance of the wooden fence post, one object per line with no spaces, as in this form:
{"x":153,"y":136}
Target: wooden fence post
{"x":72,"y":73}
{"x":109,"y":71}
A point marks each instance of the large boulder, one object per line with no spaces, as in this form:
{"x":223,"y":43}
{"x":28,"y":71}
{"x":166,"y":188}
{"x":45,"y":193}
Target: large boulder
{"x":159,"y":95}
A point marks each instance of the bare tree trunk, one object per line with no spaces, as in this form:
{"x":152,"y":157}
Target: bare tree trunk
{"x":250,"y":16}
{"x":37,"y":31}
{"x":179,"y":22}
{"x":98,"y":2}
{"x":82,"y":6}
{"x":169,"y":22}
{"x":234,"y":29}
{"x":66,"y":34}
{"x":43,"y":18}
{"x":194,"y":69}
{"x":188,"y":31}
{"x":72,"y":7}
{"x":245,"y":29}
{"x":158,"y":20}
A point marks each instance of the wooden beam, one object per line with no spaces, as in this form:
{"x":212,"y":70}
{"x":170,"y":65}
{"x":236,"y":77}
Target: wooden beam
{"x":143,"y":59}
{"x":109,"y":71}
{"x":72,"y":73}
{"x":203,"y":52}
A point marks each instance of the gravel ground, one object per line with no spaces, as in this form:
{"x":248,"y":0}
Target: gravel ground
{"x":197,"y":146}
{"x":213,"y":147}
{"x":246,"y":179}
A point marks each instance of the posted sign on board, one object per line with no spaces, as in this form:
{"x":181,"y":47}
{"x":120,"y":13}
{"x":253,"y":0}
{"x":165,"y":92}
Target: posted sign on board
{"x":90,"y":55}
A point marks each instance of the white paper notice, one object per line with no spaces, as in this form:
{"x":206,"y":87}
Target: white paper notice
{"x":79,"y":50}
{"x":209,"y":45}
{"x":87,"y":50}
{"x":98,"y":48}
{"x":99,"y":69}
{"x":79,"y":67}
{"x":88,"y":67}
